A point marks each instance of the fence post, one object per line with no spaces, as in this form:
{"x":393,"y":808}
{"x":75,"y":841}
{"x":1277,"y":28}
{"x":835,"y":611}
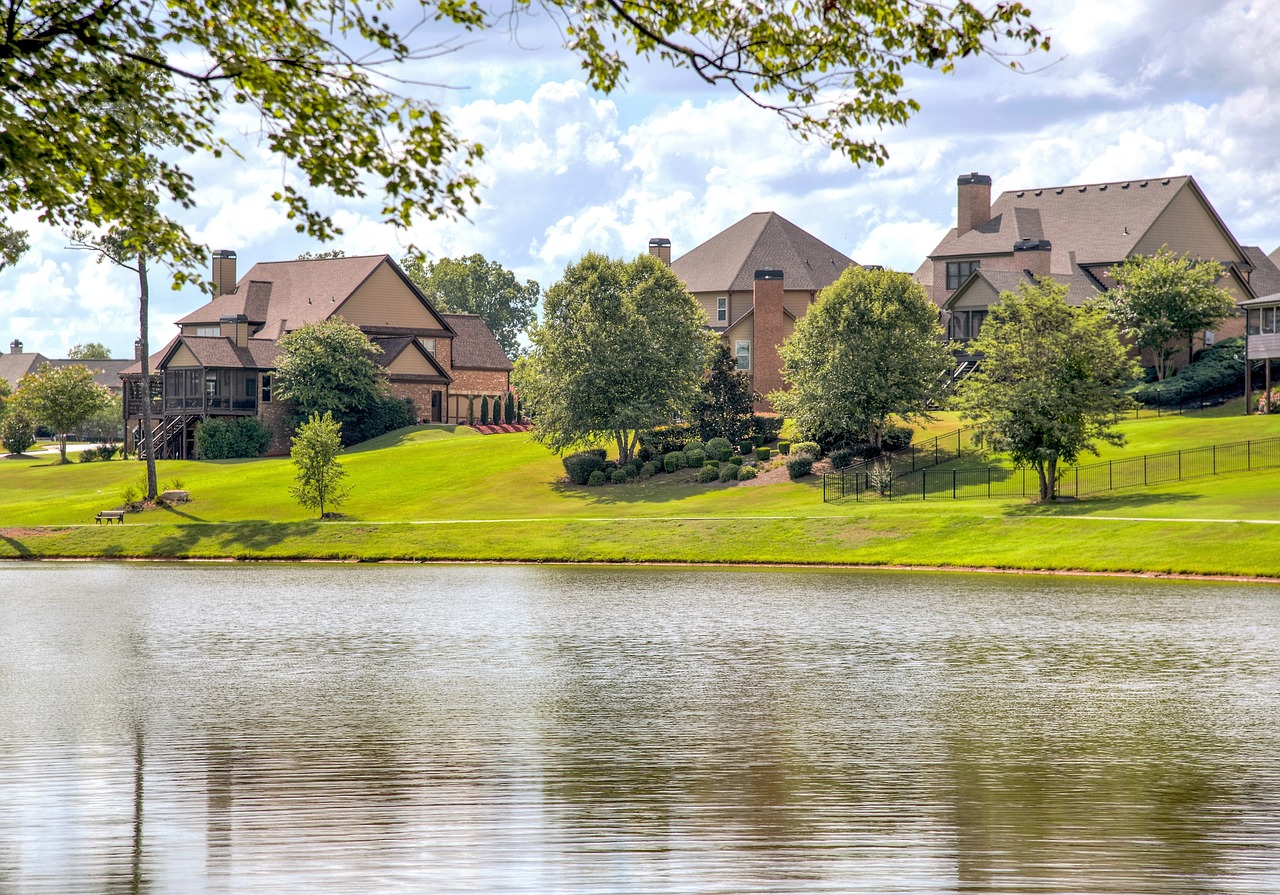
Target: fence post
{"x":1215,"y":459}
{"x":988,"y":482}
{"x":1077,"y":487}
{"x":1144,"y":469}
{"x":924,"y":484}
{"x":953,"y":484}
{"x":1179,"y":465}
{"x":1111,"y":475}
{"x":1248,"y":452}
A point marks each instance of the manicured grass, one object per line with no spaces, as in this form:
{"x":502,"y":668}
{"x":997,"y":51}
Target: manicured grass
{"x":440,"y":493}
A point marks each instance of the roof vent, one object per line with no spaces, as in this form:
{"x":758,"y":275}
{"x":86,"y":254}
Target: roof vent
{"x":1124,"y":186}
{"x":1032,"y":245}
{"x":1083,"y":188}
{"x":768,"y":274}
{"x":1165,"y":182}
{"x":1103,"y":188}
{"x":1058,"y":192}
{"x":1039,"y":192}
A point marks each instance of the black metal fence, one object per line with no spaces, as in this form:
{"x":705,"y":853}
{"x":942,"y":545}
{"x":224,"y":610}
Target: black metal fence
{"x":1073,"y":481}
{"x":851,"y":480}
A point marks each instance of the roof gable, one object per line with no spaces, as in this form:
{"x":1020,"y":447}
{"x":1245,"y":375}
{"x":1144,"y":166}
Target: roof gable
{"x":474,"y":346}
{"x":728,"y":261}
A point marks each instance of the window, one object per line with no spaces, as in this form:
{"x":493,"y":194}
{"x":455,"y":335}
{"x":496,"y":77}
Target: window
{"x":1208,"y":338}
{"x":976,"y":319}
{"x":208,"y":330}
{"x":266,"y":388}
{"x":429,"y":345}
{"x":742,"y":349}
{"x":1268,"y":320}
{"x":210,"y":384}
{"x":958,"y":272}
{"x":250,"y":385}
{"x":1254,"y":318}
{"x":722,"y":309}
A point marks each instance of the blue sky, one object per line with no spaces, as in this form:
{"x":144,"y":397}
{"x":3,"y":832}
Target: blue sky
{"x":1130,"y":90}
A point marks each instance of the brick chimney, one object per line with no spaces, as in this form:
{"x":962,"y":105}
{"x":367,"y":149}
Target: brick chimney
{"x":15,"y":347}
{"x":1033,"y":255}
{"x":224,"y":271}
{"x":137,"y":349}
{"x":660,"y":248}
{"x":770,"y":328}
{"x":236,"y":328}
{"x":973,"y":192}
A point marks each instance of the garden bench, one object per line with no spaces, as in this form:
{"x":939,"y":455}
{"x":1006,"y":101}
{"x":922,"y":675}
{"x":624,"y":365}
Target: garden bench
{"x":110,"y":516}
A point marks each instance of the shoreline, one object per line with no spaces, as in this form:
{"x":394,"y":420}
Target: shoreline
{"x":860,"y":567}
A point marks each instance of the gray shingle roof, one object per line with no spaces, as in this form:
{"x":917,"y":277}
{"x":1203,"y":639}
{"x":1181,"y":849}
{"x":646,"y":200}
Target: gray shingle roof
{"x":1265,"y":278}
{"x":1080,"y":287}
{"x":393,"y":346}
{"x":729,"y":260}
{"x":474,"y":346}
{"x":14,"y":366}
{"x":216,"y":351}
{"x":1100,"y":222}
{"x":105,"y":372}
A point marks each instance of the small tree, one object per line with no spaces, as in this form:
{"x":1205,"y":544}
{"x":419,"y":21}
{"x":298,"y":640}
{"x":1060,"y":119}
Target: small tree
{"x":484,"y":410}
{"x":1051,"y":381}
{"x":17,"y":427}
{"x":869,"y":348}
{"x":727,"y":400}
{"x":90,"y":351}
{"x":1164,"y":296}
{"x":316,"y":446}
{"x":330,"y":367}
{"x":62,"y":398}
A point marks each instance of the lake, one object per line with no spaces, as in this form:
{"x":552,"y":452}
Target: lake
{"x":546,"y":729}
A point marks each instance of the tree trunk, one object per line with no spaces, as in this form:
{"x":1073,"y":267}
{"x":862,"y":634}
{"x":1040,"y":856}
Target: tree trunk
{"x":1052,"y":477}
{"x":144,"y":295}
{"x":624,"y":452}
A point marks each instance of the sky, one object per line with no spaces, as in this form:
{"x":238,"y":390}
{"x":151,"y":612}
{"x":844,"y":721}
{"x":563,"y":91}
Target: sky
{"x":1130,"y":90}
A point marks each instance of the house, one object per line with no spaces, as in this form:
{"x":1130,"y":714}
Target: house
{"x":220,"y":364}
{"x":18,"y":363}
{"x":1262,"y":340}
{"x":1074,"y":235}
{"x":754,"y":280}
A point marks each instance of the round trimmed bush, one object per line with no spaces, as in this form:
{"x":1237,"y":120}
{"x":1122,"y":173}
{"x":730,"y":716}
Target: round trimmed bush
{"x":737,"y":460}
{"x":728,"y":473}
{"x":708,"y":474}
{"x":746,"y":446}
{"x":799,"y":466}
{"x":675,"y":460}
{"x":719,"y":448}
{"x":746,"y":473}
{"x":619,"y":476}
{"x":694,"y":445}
{"x":841,"y":457}
{"x":762,"y":453}
{"x":807,"y":447}
{"x":596,"y":477}
{"x":695,"y":457}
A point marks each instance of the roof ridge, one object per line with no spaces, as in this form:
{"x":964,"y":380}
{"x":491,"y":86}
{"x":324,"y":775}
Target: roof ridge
{"x":1165,"y":180}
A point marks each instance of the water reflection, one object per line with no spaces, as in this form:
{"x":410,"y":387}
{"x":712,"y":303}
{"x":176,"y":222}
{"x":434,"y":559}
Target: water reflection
{"x":229,"y":729}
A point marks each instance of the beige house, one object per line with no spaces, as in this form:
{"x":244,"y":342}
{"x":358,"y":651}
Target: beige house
{"x":220,"y":363}
{"x":754,"y":280}
{"x":1074,"y":234}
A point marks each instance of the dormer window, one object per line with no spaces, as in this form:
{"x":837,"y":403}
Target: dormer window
{"x":722,"y":309}
{"x":958,"y":272}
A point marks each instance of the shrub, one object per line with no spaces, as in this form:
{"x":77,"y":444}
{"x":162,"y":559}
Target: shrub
{"x":619,"y":476}
{"x":218,"y":439}
{"x":880,"y":477}
{"x":695,"y":456}
{"x":1217,"y":369}
{"x":737,"y":459}
{"x":17,"y":428}
{"x":762,"y":453}
{"x":694,"y":445}
{"x":484,"y":410}
{"x":757,"y":441}
{"x":635,"y":463}
{"x":746,"y":473}
{"x":784,"y":448}
{"x":895,"y":438}
{"x":382,"y":416}
{"x":719,"y":448}
{"x":579,"y":466}
{"x":766,"y":427}
{"x":728,"y":473}
{"x":644,"y":454}
{"x":806,"y":447}
{"x":596,"y":477}
{"x":674,"y":460}
{"x":708,"y":474}
{"x":841,"y":457}
{"x":610,"y":466}
{"x":799,"y":466}
{"x":1269,"y":402}
{"x":129,"y":495}
{"x":664,"y":440}
{"x":101,"y":452}
{"x":647,"y":470}
{"x":631,"y":470}
{"x":746,"y":446}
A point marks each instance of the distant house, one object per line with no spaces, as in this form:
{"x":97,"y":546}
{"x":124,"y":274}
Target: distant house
{"x":1074,"y":234}
{"x":18,"y":363}
{"x":222,"y":360}
{"x":754,"y":280}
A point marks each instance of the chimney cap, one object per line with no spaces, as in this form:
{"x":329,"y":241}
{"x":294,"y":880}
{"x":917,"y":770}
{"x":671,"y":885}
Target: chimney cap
{"x":223,"y":253}
{"x":659,"y":241}
{"x":1032,"y":245}
{"x":768,"y":273}
{"x":975,"y":177}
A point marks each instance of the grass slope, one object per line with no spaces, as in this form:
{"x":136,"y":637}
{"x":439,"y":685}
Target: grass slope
{"x":440,"y":493}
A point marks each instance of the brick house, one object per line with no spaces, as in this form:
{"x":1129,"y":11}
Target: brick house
{"x":1074,"y":235}
{"x":754,"y":280}
{"x":220,"y":363}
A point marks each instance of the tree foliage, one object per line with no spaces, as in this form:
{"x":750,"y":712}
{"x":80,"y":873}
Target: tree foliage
{"x":17,"y":426}
{"x":726,"y":400}
{"x":329,"y":367}
{"x":62,"y":398}
{"x":622,"y":347}
{"x":13,"y":245}
{"x":1163,"y":296}
{"x":1050,"y":383}
{"x":475,"y":285}
{"x":316,"y":447}
{"x":323,"y":78}
{"x":869,"y":348}
{"x":90,"y":351}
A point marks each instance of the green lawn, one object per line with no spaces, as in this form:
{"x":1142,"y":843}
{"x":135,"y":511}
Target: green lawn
{"x":447,"y":494}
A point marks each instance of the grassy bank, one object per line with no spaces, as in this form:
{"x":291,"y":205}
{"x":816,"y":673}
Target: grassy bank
{"x":444,"y":494}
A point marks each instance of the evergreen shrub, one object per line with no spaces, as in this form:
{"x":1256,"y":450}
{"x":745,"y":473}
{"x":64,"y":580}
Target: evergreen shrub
{"x":719,"y":448}
{"x":579,"y":466}
{"x":895,"y":438}
{"x":746,"y":473}
{"x":728,"y":473}
{"x":619,"y":476}
{"x":746,"y":446}
{"x":695,"y":456}
{"x":664,"y":440}
{"x":841,"y":457}
{"x":708,"y":474}
{"x":806,"y":447}
{"x":694,"y":445}
{"x":737,"y":459}
{"x":596,"y":478}
{"x":218,"y":439}
{"x":1217,"y":369}
{"x":762,"y":453}
{"x":799,"y":466}
{"x":784,"y":448}
{"x":766,"y":427}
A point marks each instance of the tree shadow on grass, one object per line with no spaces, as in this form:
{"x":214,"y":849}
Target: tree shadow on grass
{"x":18,"y":547}
{"x":1108,"y":504}
{"x":251,"y":536}
{"x":171,"y":509}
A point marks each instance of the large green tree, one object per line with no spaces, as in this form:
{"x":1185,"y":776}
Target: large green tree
{"x":62,"y":398}
{"x":726,"y":399}
{"x":621,"y":348}
{"x":330,"y":367}
{"x":1050,"y":383}
{"x":869,"y":348}
{"x":1163,"y":296}
{"x":316,"y":446}
{"x":476,"y":285}
{"x":323,"y":75}
{"x":89,"y":351}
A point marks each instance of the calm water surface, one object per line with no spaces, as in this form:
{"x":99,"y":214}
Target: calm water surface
{"x":195,"y":729}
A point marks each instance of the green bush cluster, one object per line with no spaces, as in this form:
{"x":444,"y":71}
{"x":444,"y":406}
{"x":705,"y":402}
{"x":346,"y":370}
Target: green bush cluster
{"x":784,"y":448}
{"x":675,"y":460}
{"x":799,"y":465}
{"x":101,"y":452}
{"x":809,"y":448}
{"x":719,"y":449}
{"x":708,"y":474}
{"x":1217,"y":369}
{"x":596,"y":477}
{"x":842,"y":457}
{"x":746,"y":446}
{"x":746,"y":473}
{"x":581,"y":465}
{"x":728,"y":473}
{"x":766,"y":427}
{"x":620,"y":476}
{"x":695,"y":456}
{"x":218,"y":439}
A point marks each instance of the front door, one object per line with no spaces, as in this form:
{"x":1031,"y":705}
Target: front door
{"x":436,"y":407}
